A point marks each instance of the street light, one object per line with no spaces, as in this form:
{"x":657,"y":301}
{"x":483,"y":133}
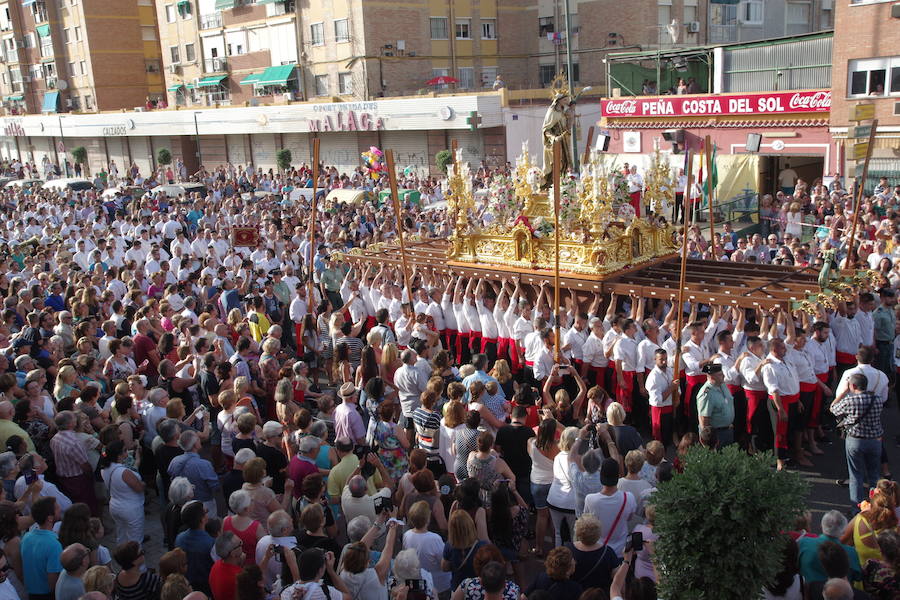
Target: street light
{"x":197,"y":139}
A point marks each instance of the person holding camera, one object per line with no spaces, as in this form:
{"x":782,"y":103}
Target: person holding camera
{"x":356,"y":501}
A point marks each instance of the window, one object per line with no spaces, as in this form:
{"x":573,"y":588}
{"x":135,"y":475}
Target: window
{"x":489,"y":29}
{"x":466,"y":78}
{"x":175,"y":54}
{"x":439,"y":28}
{"x":82,"y":68}
{"x":29,"y":40}
{"x":317,"y":34}
{"x":545,"y":26}
{"x":464,"y":29}
{"x":78,"y":33}
{"x":190,"y":54}
{"x":67,"y":36}
{"x":170,"y":13}
{"x":341,"y":31}
{"x":488,"y":74}
{"x":89,"y":103}
{"x":440,"y":73}
{"x":345,"y":83}
{"x":798,"y":14}
{"x":321,"y":85}
{"x":751,"y":12}
{"x":152,"y":66}
{"x":546,"y":73}
{"x":690,"y":13}
{"x":663,"y":18}
{"x":869,"y":76}
{"x":148,"y":34}
{"x":73,"y":68}
{"x":75,"y":103}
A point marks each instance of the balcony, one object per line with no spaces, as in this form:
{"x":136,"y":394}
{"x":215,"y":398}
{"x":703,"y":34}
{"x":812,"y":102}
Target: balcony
{"x":215,"y":65}
{"x":212,"y":21}
{"x":12,"y":56}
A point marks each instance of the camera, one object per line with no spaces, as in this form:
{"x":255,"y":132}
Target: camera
{"x":416,"y":589}
{"x":361,"y":452}
{"x":276,"y":551}
{"x":383,"y":504}
{"x":635,"y":542}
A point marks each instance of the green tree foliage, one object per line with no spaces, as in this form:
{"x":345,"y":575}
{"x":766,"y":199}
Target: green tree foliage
{"x":442,"y":159}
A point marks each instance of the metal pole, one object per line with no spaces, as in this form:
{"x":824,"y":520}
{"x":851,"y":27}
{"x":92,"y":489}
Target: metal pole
{"x":681,"y":280}
{"x":557,"y":151}
{"x":197,"y":138}
{"x":61,"y":163}
{"x":395,"y":197}
{"x":570,"y":67}
{"x":851,"y":261}
{"x":310,"y":299}
{"x":709,"y":187}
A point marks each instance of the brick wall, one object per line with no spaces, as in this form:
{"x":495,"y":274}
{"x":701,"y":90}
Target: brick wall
{"x":862,"y":31}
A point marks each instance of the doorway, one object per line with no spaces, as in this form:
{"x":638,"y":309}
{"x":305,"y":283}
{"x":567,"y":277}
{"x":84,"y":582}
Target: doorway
{"x":808,"y":168}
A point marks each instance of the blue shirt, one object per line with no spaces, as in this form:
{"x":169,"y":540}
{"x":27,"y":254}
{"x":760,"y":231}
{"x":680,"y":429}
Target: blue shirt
{"x":55,"y":302}
{"x":477,"y":376}
{"x":40,"y":550}
{"x":810,"y":566}
{"x":199,"y":472}
{"x":197,"y":544}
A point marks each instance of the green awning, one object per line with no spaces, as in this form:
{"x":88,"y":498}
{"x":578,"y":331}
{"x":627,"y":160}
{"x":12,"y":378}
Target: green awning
{"x":224,"y":4}
{"x":268,"y":1}
{"x":43,"y":30}
{"x":211,"y":81}
{"x":191,"y":86}
{"x":276,"y":75}
{"x":175,"y":88}
{"x":251,"y":79}
{"x":184,"y":5}
{"x":15,"y":98}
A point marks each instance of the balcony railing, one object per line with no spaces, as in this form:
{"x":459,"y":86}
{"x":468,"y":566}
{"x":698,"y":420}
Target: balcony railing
{"x":212,"y":21}
{"x":215,"y":65}
{"x":723,"y":33}
{"x":12,"y":56}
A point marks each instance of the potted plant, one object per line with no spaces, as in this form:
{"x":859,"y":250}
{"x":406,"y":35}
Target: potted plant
{"x":79,"y":155}
{"x":442,"y":159}
{"x":283,"y":159}
{"x":163,"y":156}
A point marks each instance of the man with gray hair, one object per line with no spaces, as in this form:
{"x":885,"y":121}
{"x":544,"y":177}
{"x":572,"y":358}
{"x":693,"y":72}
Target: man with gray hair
{"x":303,"y":462}
{"x":584,"y":466}
{"x":833,"y":525}
{"x":837,"y":589}
{"x":234,"y":479}
{"x":199,"y":471}
{"x":356,"y":501}
{"x":859,"y":414}
{"x":75,"y":560}
{"x":281,"y":528}
{"x":73,"y":469}
{"x":410,"y":384}
{"x":154,"y":411}
{"x":223,"y":575}
{"x":165,"y":448}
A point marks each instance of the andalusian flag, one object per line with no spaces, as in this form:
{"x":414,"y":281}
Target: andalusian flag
{"x":713,"y":178}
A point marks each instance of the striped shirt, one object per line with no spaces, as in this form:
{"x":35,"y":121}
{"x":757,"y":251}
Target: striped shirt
{"x":69,"y":454}
{"x":428,"y":424}
{"x":355,"y":346}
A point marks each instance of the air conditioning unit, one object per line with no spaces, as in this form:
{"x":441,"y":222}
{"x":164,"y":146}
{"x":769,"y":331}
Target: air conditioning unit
{"x":827,"y":4}
{"x":693,"y":27}
{"x":896,"y":109}
{"x":174,"y":69}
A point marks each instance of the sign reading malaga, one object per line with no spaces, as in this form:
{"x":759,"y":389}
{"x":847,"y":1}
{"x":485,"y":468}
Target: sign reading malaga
{"x":772,"y":103}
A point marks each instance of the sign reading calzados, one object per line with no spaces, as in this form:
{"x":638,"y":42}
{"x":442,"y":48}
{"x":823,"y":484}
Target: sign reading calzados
{"x":774,"y":103}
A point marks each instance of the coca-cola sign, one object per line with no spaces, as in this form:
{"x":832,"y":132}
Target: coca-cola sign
{"x":772,"y":103}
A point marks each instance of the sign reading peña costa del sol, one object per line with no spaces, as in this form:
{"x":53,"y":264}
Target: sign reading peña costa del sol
{"x":770,"y":103}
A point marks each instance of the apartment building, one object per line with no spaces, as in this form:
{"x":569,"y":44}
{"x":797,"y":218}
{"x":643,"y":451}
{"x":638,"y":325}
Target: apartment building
{"x":61,"y":55}
{"x":866,"y":70}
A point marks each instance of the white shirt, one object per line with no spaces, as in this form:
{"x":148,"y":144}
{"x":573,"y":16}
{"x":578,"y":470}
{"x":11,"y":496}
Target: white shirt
{"x":645,"y":351}
{"x":752,"y":379}
{"x":866,"y":327}
{"x":732,"y":375}
{"x":410,"y":384}
{"x":436,"y":313}
{"x":847,"y":334}
{"x":657,"y":382}
{"x":605,"y":508}
{"x":779,"y":376}
{"x":802,"y":365}
{"x":48,"y":490}
{"x":486,"y":321}
{"x":543,"y":363}
{"x":520,"y":330}
{"x":592,"y":352}
{"x":625,"y":351}
{"x":575,"y":341}
{"x":877,"y":382}
{"x":692,"y":355}
{"x":818,"y":353}
{"x":430,"y":547}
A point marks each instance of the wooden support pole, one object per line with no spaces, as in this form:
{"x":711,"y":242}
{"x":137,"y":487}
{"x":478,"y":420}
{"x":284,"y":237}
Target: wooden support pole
{"x":711,"y":193}
{"x":395,"y":197}
{"x":310,"y":298}
{"x":557,"y":152}
{"x":587,"y":149}
{"x":852,"y":254}
{"x":681,"y":283}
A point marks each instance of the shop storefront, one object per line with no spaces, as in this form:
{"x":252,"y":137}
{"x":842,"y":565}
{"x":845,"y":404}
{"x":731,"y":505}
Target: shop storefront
{"x":416,"y":129}
{"x":793,"y":126}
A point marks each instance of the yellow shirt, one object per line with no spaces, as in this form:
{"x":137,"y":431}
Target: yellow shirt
{"x":261,"y":327}
{"x":340,"y":474}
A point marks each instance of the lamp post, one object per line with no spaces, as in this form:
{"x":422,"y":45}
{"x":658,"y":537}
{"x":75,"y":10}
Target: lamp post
{"x":62,"y":163}
{"x":197,"y":139}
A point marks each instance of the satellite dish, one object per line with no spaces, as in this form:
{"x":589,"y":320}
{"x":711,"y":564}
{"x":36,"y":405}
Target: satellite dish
{"x":62,"y":84}
{"x":674,"y":29}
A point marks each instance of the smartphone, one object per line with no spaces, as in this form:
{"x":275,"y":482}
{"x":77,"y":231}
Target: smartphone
{"x":30,"y":476}
{"x":636,"y":542}
{"x":383,"y":504}
{"x":416,"y":589}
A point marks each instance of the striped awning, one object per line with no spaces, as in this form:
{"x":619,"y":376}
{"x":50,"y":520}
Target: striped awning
{"x":250,"y":79}
{"x":212,"y":81}
{"x":175,"y":88}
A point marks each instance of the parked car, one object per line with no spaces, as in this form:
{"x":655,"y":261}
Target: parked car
{"x":181,"y":189}
{"x":25,"y":184}
{"x":75,"y":184}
